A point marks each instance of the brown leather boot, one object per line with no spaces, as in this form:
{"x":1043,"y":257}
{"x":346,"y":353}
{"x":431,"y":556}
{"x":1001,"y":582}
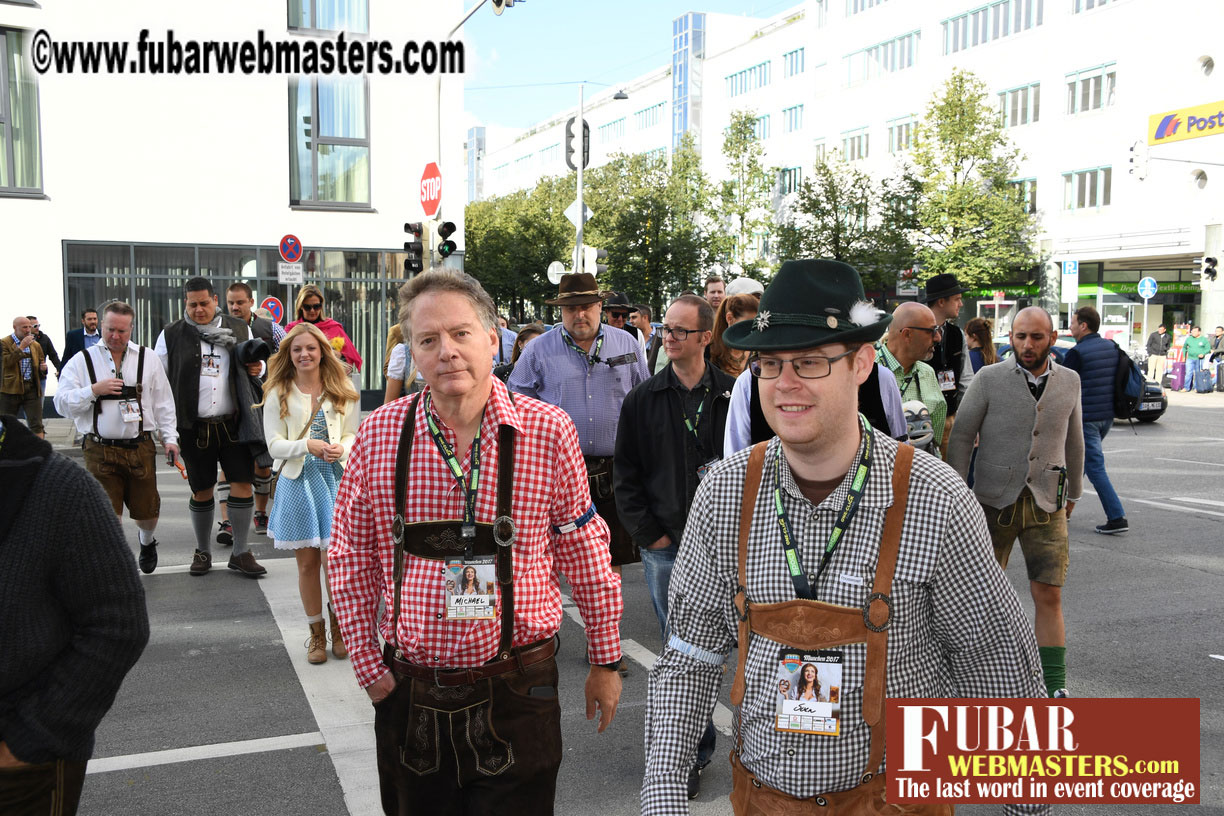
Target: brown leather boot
{"x":316,"y":644}
{"x":337,"y":640}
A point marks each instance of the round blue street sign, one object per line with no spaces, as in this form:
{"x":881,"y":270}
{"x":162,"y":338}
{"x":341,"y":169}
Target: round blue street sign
{"x":1147,"y":288}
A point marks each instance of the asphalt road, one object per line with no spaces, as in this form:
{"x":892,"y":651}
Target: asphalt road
{"x":223,"y":715}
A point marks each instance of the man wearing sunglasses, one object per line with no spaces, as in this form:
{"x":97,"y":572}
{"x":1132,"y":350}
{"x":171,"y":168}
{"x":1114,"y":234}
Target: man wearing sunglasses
{"x":820,"y":519}
{"x":910,"y":342}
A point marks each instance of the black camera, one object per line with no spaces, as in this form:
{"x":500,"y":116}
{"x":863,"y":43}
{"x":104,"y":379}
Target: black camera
{"x":255,"y":350}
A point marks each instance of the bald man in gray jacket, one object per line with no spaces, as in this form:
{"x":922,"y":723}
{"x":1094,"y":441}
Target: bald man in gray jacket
{"x":1025,"y":414}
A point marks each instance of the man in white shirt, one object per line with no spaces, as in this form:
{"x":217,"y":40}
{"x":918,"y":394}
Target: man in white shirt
{"x":117,"y":398}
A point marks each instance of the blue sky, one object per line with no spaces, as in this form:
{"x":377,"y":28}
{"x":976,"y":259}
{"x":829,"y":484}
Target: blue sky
{"x":552,"y":41}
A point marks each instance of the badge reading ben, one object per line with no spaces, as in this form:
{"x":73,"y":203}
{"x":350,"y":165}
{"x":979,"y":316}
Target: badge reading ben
{"x":809,"y":692}
{"x":470,"y":593}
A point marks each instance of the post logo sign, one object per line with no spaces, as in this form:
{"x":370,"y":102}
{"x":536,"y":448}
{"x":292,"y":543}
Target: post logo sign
{"x":1187,"y":123}
{"x":983,"y":751}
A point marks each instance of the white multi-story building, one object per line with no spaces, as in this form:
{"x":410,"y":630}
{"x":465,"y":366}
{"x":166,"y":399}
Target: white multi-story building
{"x":124,"y":186}
{"x":1076,"y":82}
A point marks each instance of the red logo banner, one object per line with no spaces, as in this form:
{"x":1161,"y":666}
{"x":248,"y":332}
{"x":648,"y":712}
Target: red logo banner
{"x":976,"y":751}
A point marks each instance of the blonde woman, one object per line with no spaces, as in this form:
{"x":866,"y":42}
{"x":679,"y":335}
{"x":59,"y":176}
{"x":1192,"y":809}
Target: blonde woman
{"x":311,"y":412}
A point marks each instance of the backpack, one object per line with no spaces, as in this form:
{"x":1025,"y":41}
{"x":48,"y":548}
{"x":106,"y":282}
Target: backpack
{"x":1128,"y":386}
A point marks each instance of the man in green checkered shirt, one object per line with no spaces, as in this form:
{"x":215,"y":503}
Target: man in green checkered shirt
{"x":911,"y":339}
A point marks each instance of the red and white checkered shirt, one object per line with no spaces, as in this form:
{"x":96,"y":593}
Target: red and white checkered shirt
{"x":550,"y":488}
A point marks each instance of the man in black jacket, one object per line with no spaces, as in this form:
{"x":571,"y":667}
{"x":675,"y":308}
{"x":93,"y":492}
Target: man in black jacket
{"x":72,"y":620}
{"x":1158,"y":344}
{"x":949,"y":356}
{"x":670,"y":434}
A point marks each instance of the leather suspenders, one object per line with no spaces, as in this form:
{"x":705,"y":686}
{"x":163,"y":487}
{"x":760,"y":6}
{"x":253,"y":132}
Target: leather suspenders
{"x":93,"y":380}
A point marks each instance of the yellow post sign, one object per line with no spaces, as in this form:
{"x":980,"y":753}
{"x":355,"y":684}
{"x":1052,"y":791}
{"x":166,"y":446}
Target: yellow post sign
{"x":1186,"y":123}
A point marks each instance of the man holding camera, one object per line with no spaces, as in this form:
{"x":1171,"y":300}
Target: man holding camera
{"x":204,"y":355}
{"x":117,"y":398}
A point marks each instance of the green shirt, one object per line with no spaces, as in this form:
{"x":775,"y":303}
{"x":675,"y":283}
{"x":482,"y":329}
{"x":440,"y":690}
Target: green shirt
{"x":1196,"y":346}
{"x":919,"y":383}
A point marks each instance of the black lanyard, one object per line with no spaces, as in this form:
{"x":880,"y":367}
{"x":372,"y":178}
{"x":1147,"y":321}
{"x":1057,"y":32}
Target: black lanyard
{"x":590,"y":360}
{"x":472,"y":484}
{"x":110,"y":358}
{"x":794,"y":562}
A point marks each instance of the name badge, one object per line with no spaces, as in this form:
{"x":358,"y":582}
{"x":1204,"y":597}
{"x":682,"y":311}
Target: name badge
{"x":210,"y":365}
{"x":702,"y":470}
{"x":808,"y":692}
{"x":947,"y":379}
{"x":470,"y":587}
{"x":129,"y":410}
{"x":622,"y":360}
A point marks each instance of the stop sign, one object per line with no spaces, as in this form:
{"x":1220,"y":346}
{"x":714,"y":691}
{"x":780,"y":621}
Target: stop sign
{"x":431,"y":189}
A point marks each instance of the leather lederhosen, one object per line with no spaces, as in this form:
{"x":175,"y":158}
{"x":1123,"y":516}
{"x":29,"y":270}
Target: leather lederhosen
{"x":813,"y":625}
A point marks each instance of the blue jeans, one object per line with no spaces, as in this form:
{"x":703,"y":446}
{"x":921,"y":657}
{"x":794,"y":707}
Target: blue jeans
{"x":1094,"y":467}
{"x":1193,"y":365}
{"x":657,"y":566}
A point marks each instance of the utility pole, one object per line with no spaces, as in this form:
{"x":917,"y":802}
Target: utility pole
{"x":581,"y":162}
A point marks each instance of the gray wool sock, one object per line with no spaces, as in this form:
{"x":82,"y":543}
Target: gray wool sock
{"x":202,"y":514}
{"x":241,"y":511}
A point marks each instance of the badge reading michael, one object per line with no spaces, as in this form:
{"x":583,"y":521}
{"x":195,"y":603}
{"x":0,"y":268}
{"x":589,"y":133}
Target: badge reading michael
{"x":470,"y":593}
{"x":809,"y":692}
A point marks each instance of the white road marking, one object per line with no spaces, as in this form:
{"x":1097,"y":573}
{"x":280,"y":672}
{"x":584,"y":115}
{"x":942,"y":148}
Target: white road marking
{"x":1163,"y":505}
{"x":200,"y":752}
{"x":1217,"y":657}
{"x":1208,"y":502}
{"x":646,"y":658}
{"x":1189,"y":461}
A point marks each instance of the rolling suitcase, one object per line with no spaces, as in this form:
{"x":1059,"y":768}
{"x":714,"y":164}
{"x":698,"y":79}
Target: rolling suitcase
{"x":1202,"y":381}
{"x":1179,"y":376}
{"x":1219,"y":369}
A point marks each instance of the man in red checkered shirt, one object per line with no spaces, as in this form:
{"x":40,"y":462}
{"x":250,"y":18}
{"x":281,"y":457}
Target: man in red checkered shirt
{"x":494,"y":502}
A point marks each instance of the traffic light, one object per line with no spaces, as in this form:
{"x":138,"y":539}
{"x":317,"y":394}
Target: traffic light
{"x":415,"y":262}
{"x":570,"y":149}
{"x":591,"y":258}
{"x":1139,"y":160}
{"x":442,"y":244}
{"x":1206,"y":269}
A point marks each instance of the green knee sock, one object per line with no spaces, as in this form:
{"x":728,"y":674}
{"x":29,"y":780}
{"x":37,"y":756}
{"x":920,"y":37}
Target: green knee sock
{"x":1054,"y":667}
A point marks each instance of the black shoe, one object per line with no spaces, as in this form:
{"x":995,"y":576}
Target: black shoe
{"x":148,"y":557}
{"x":694,"y":782}
{"x":225,"y":535}
{"x":1113,"y":526}
{"x":261,"y":523}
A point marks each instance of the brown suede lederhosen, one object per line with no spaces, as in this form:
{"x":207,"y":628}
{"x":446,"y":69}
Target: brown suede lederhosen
{"x":479,"y":739}
{"x":813,"y":625}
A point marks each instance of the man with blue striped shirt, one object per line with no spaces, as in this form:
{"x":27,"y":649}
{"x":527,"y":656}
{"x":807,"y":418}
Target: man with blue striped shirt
{"x":587,"y":368}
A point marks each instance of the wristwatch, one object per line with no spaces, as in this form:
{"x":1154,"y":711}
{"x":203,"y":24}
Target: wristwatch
{"x":613,"y":666}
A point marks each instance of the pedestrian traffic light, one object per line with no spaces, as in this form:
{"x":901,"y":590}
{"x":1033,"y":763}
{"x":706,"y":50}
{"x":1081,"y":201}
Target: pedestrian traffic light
{"x":1139,"y":160}
{"x":591,"y":258}
{"x":415,"y":250}
{"x":442,"y":244}
{"x":571,"y":148}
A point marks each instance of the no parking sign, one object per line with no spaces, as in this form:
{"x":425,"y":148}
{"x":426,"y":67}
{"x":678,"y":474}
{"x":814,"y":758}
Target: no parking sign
{"x":274,"y":306}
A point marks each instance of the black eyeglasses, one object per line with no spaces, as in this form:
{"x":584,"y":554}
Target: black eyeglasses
{"x":934,"y":330}
{"x":311,"y":307}
{"x":679,"y":334}
{"x":618,"y":315}
{"x":809,"y":368}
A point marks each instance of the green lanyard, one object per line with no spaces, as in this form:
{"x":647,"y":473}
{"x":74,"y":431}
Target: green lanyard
{"x":592,"y":359}
{"x":794,"y":561}
{"x":468,"y":487}
{"x":694,"y":424}
{"x":3,"y":434}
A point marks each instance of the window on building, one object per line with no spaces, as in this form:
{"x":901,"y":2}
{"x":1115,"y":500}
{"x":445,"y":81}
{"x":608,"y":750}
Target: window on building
{"x":1020,"y":106}
{"x":1091,"y":89}
{"x":612,"y":131}
{"x":1087,"y":189}
{"x":855,"y":144}
{"x":659,"y":154}
{"x":1088,"y":5}
{"x":789,"y":180}
{"x":648,"y":117}
{"x":1026,"y":191}
{"x":761,"y":128}
{"x":748,"y":79}
{"x":792,"y":119}
{"x":329,"y":142}
{"x":330,"y":15}
{"x":818,"y":151}
{"x":792,"y":62}
{"x":855,"y":6}
{"x":20,"y":128}
{"x":990,"y":22}
{"x":900,"y":134}
{"x":883,"y":58}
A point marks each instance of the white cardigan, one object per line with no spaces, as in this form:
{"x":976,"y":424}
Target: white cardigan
{"x":280,"y":432}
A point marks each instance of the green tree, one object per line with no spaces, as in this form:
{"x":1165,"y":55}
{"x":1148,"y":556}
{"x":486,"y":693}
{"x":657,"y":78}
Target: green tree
{"x":841,"y":212}
{"x":746,"y":193}
{"x":971,"y":222}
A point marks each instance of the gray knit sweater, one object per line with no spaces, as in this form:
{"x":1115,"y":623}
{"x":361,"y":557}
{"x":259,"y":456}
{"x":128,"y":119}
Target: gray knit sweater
{"x":72,"y":610}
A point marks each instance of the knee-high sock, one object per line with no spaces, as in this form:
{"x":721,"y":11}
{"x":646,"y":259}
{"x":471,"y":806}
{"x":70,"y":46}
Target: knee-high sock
{"x":202,"y":514}
{"x":1054,"y":667}
{"x":241,"y":511}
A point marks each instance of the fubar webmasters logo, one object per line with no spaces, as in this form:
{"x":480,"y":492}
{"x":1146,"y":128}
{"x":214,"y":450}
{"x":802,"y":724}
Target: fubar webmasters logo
{"x":1186,"y":123}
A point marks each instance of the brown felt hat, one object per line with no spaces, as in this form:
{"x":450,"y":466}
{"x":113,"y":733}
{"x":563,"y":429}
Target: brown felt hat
{"x":577,"y":289}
